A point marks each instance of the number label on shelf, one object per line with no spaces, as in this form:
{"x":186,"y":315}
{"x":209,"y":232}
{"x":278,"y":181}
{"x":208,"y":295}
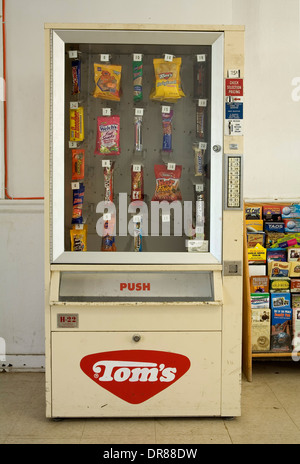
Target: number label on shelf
{"x":136,"y":219}
{"x":166,"y":109}
{"x":106,"y":111}
{"x":171,"y":166}
{"x":104,"y":57}
{"x":136,"y":168}
{"x":137,"y":57}
{"x":139,"y":111}
{"x":202,"y":102}
{"x":105,"y":163}
{"x":168,"y":57}
{"x":107,"y":216}
{"x":74,"y":105}
{"x":165,"y":218}
{"x":201,"y":58}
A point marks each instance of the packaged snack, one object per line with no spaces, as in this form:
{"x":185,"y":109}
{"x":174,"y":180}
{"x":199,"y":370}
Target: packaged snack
{"x":200,"y":79}
{"x":167,"y":80}
{"x":296,"y":301}
{"x":138,"y":142}
{"x":76,"y":77}
{"x":78,"y":195}
{"x":137,"y":80}
{"x":277,"y":227}
{"x":200,"y":122}
{"x":76,"y":125}
{"x":77,"y":164}
{"x":259,"y":284}
{"x":200,"y":216}
{"x":137,"y":184}
{"x":108,"y":242}
{"x":167,"y":130}
{"x":108,"y":135}
{"x":281,"y":300}
{"x":137,"y":236}
{"x":78,"y":239}
{"x":296,"y":328}
{"x":287,"y":240}
{"x":199,"y":161}
{"x":167,"y":184}
{"x":107,"y":79}
{"x":109,"y":183}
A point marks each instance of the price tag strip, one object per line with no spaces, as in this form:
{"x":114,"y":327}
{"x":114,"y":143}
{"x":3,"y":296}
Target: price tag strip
{"x":233,"y":182}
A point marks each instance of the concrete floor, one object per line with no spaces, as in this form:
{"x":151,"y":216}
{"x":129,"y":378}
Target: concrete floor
{"x":270,"y":414}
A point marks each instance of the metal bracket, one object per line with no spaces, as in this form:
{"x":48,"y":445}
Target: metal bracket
{"x":232,"y":268}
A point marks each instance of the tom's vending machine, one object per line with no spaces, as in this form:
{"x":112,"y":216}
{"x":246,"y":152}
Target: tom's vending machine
{"x":143,"y":220}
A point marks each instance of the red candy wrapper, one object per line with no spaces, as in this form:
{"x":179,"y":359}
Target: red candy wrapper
{"x":137,"y":184}
{"x":108,"y":135}
{"x":167,"y":184}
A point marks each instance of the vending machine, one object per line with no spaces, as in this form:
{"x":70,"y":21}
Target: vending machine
{"x":143,"y":220}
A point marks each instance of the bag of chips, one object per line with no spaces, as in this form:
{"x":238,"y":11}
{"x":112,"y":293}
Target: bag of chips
{"x":167,"y":184}
{"x":108,"y":135}
{"x":107,"y":79}
{"x":167,"y":80}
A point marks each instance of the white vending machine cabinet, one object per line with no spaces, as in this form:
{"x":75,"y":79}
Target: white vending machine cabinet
{"x":143,"y":220}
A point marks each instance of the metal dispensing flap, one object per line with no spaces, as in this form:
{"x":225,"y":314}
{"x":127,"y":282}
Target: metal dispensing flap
{"x":139,"y":286}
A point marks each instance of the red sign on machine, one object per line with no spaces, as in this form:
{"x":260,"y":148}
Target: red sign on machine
{"x":234,"y":87}
{"x":135,"y":375}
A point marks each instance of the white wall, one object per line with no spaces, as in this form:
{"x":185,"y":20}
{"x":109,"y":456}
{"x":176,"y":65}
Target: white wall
{"x":272,"y":144}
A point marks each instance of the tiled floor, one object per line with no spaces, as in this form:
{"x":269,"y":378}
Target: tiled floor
{"x":270,"y":414}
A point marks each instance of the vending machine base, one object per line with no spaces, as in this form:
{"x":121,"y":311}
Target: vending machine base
{"x":144,"y":359}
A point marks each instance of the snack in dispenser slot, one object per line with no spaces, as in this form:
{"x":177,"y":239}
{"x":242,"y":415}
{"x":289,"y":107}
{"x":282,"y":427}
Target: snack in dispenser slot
{"x":108,"y":135}
{"x":200,"y":83}
{"x":200,"y":122}
{"x":138,"y":142}
{"x":108,"y":238}
{"x":108,"y":173}
{"x":137,"y":80}
{"x":137,"y":184}
{"x":167,"y":130}
{"x":137,"y":236}
{"x":78,"y":164}
{"x":167,"y":80}
{"x":76,"y":77}
{"x":78,"y":196}
{"x":199,"y":161}
{"x":79,"y":239}
{"x":107,"y":79}
{"x":76,"y":125}
{"x":167,"y":184}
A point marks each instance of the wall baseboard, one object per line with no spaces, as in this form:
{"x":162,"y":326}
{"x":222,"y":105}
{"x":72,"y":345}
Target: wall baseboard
{"x":22,"y":363}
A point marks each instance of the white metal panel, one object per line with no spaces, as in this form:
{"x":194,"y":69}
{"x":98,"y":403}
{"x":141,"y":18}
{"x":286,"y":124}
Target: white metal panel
{"x":196,"y":393}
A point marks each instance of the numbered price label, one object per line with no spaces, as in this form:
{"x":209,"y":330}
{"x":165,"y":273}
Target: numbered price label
{"x":104,"y":57}
{"x":137,"y":57}
{"x":166,"y":109}
{"x":106,"y":111}
{"x":136,"y":168}
{"x":165,"y":218}
{"x":139,"y":111}
{"x":105,"y":163}
{"x":201,"y":58}
{"x":171,"y":166}
{"x":168,"y":57}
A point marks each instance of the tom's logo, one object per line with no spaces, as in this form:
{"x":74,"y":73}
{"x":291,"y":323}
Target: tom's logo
{"x":135,"y":375}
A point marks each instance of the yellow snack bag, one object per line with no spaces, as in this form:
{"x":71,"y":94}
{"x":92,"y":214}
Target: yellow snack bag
{"x":167,"y":80}
{"x":107,"y":81}
{"x":76,"y":125}
{"x":78,"y":239}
